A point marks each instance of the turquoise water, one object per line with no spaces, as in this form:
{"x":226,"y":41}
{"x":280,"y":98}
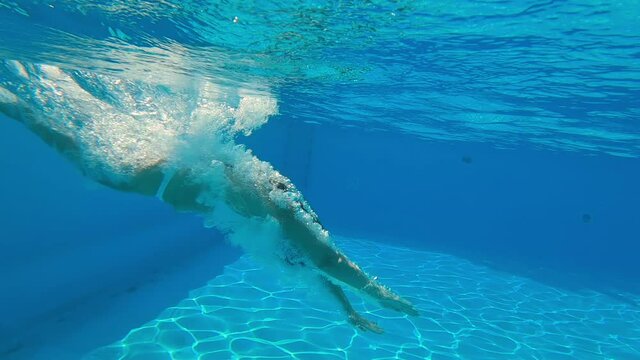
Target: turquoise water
{"x":554,"y":74}
{"x":468,"y":311}
{"x":481,"y":160}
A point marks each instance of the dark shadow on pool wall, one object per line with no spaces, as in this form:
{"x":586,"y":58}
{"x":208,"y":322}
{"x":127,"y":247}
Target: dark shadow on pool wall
{"x":562,"y":218}
{"x":80,"y":264}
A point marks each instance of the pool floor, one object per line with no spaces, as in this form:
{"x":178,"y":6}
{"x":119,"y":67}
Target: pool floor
{"x":468,"y":311}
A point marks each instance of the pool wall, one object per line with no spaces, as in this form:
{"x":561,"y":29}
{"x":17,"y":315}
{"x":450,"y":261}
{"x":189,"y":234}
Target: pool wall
{"x":77,"y":257}
{"x":564,"y":217}
{"x":73,"y":250}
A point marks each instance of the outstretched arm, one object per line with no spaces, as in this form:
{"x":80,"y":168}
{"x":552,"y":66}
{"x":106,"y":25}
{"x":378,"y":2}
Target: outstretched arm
{"x":182,"y":192}
{"x":354,"y":318}
{"x":335,"y":264}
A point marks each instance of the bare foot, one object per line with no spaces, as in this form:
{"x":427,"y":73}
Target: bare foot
{"x":363,"y":324}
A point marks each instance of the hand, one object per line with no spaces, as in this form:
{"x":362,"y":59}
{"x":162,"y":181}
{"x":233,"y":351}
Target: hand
{"x":363,"y":324}
{"x":389,"y":300}
{"x":395,"y":302}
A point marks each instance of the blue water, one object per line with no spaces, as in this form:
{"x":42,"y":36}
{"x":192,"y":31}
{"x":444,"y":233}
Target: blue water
{"x":481,"y":159}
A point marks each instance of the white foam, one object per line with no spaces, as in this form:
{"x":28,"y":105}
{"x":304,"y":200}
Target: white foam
{"x":125,"y":126}
{"x":253,"y":112}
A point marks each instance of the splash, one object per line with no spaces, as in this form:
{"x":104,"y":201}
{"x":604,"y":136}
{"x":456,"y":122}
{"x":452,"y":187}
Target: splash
{"x":508,"y":75}
{"x":123,"y":126}
{"x":114,"y":129}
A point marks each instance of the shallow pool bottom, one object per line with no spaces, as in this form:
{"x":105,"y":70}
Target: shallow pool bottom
{"x":467,"y":311}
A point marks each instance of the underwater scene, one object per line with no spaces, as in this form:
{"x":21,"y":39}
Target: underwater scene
{"x":196,"y":179}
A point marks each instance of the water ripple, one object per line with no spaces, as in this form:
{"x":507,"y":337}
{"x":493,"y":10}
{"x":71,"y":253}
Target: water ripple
{"x":561,"y":75}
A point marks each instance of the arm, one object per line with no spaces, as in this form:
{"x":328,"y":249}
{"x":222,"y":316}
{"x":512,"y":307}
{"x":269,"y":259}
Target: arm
{"x":182,"y":192}
{"x":248,"y":199}
{"x":335,"y":264}
{"x":354,"y":318}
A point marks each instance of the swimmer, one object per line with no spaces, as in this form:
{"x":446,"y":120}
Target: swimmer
{"x":255,"y":191}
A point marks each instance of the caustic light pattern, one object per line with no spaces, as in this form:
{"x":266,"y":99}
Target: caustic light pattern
{"x":468,"y":311}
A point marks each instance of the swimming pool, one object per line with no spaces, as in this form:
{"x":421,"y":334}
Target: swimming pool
{"x":479,"y":160}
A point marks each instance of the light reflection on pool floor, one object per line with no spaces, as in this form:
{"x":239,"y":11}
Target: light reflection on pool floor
{"x":467,"y":312}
